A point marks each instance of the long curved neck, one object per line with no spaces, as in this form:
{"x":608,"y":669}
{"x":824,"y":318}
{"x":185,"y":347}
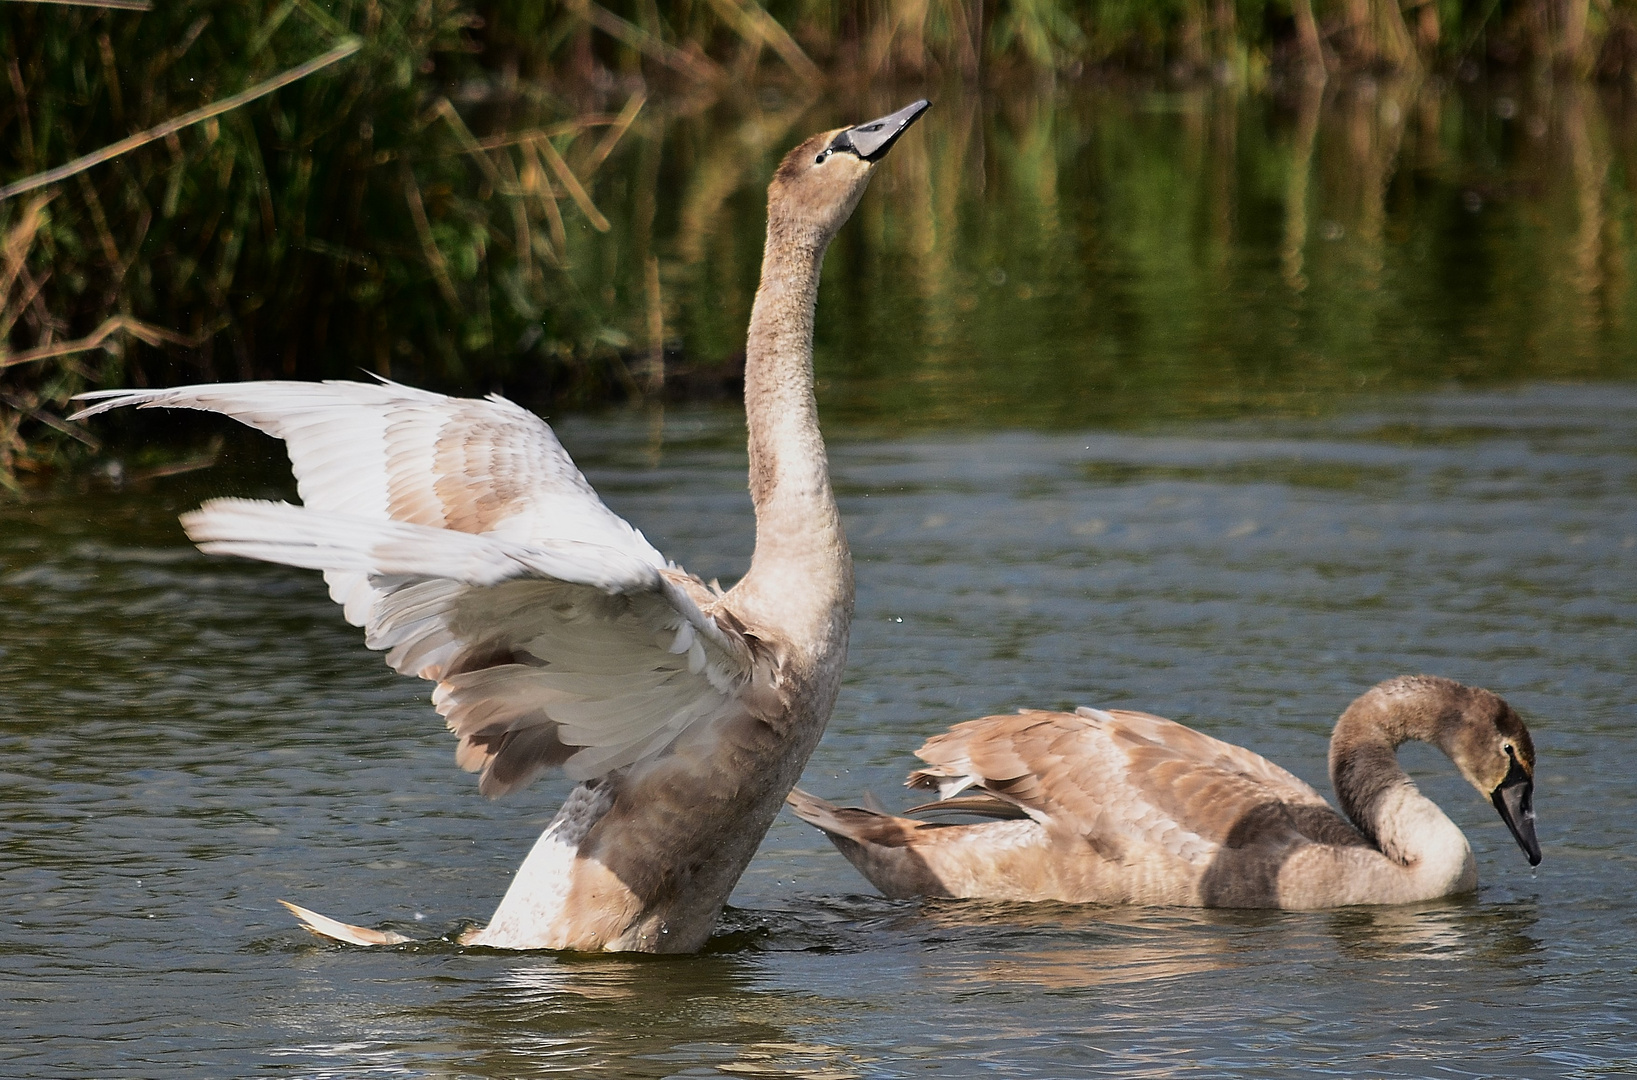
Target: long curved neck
{"x":801,"y":572}
{"x":1379,"y":796}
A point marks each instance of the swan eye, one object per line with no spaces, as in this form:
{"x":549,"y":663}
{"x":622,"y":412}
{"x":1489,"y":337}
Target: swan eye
{"x":842,"y":141}
{"x":1509,"y":752}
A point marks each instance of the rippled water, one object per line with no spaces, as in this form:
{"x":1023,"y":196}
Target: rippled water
{"x":189,"y":739}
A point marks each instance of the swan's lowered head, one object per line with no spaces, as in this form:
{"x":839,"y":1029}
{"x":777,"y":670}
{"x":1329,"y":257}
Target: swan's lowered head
{"x":1481,"y":733}
{"x":1493,"y":750}
{"x":819,"y":183}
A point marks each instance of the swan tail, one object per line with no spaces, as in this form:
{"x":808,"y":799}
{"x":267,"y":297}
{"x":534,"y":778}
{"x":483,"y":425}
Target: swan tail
{"x":833,"y":820}
{"x":346,"y":933}
{"x":888,"y":850}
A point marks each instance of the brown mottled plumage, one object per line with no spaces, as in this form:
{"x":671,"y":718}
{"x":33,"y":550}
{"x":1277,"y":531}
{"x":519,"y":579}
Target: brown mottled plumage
{"x":461,"y":537}
{"x":1120,"y":807}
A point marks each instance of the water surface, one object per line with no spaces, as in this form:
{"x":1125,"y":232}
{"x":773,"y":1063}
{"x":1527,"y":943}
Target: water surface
{"x":188,"y":739}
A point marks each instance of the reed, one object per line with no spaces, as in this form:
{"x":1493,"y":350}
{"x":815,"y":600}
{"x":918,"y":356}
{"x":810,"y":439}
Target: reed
{"x":232,"y":191}
{"x":713,"y":42}
{"x":471,"y":194}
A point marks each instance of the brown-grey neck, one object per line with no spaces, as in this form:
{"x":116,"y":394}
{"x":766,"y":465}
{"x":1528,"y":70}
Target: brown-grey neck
{"x":801,"y":571}
{"x":1364,"y":766}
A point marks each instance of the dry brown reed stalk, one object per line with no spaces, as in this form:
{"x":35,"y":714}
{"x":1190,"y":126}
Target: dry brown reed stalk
{"x":572,"y":183}
{"x":19,"y":291}
{"x":171,"y":127}
{"x":321,"y":18}
{"x":548,"y":199}
{"x":550,"y":131}
{"x":429,"y":245}
{"x":614,"y":134}
{"x":693,"y":65}
{"x":538,"y":157}
{"x":116,"y":5}
{"x":11,"y":445}
{"x":521,"y":240}
{"x":655,"y":375}
{"x":752,"y":22}
{"x":19,"y":240}
{"x":531,"y":179}
{"x":469,"y":143}
{"x":31,"y":409}
{"x":143,"y":332}
{"x":25,"y":132}
{"x":99,"y":220}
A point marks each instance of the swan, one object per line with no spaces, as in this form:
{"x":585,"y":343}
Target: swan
{"x":1116,"y":807}
{"x":461,"y":537}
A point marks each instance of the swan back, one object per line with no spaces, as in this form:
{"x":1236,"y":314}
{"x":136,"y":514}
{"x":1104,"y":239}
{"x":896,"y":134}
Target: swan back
{"x":1111,"y":806}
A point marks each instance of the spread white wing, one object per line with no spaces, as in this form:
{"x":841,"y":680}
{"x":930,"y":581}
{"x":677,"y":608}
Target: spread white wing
{"x":459,"y":534}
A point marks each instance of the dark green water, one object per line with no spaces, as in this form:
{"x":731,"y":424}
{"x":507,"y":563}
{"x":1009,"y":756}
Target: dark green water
{"x":1058,"y":259}
{"x":1200,"y":469}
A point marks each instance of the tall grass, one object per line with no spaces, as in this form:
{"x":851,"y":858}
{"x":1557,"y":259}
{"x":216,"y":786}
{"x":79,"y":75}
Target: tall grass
{"x":539,"y":194}
{"x":349,"y":220}
{"x":864,"y":40}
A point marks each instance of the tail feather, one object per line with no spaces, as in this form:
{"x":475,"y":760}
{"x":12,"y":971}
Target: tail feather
{"x":346,"y":933}
{"x":853,"y":823}
{"x":880,"y":846}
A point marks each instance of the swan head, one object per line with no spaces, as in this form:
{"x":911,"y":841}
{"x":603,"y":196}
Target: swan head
{"x":1490,"y":745}
{"x":819,"y":183}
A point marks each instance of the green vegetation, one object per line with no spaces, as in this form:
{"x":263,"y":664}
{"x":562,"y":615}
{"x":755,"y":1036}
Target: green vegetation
{"x":1184,"y":255}
{"x":316,"y":230}
{"x":564,"y":199}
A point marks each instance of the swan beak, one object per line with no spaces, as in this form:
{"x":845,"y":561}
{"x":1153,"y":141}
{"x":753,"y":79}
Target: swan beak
{"x":871,"y":141}
{"x":1514,"y":798}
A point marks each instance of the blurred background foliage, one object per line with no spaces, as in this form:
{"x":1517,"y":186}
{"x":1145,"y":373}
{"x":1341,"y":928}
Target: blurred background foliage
{"x":1120,"y":209}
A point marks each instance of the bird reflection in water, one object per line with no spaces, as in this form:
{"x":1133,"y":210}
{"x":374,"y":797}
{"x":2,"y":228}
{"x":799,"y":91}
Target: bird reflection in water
{"x":1069,"y":946}
{"x":1454,"y":930}
{"x":549,"y":1016}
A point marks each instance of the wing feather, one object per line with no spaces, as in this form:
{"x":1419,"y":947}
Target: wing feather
{"x":391,"y":452}
{"x":459,"y":534}
{"x":1117,"y":779}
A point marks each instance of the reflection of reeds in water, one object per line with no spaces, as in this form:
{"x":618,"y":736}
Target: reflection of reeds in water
{"x":1090,"y":252}
{"x":1406,"y":241}
{"x":1576,"y":226}
{"x":1369,"y":119}
{"x":1310,"y":94}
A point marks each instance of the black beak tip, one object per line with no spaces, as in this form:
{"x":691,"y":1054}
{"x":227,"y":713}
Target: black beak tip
{"x":1514,"y":799}
{"x":871,"y":140}
{"x":1528,"y":842}
{"x":912,"y":112}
